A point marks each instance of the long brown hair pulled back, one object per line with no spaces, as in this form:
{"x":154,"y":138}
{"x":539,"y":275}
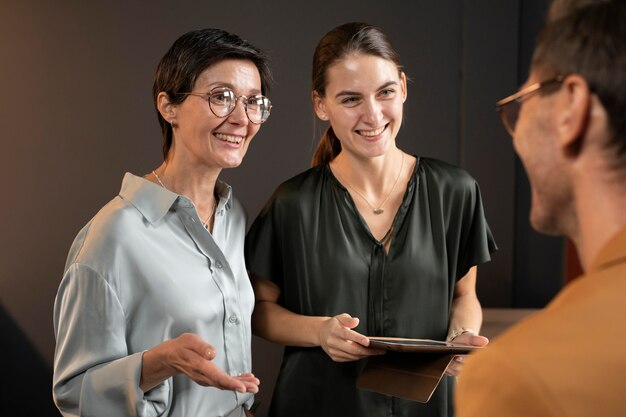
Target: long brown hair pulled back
{"x":344,"y":40}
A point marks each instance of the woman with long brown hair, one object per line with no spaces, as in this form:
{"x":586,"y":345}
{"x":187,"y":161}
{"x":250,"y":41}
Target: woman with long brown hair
{"x":370,"y":241}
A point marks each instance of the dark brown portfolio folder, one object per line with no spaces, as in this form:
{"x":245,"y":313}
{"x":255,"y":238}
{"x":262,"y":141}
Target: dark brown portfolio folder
{"x":411,"y":369}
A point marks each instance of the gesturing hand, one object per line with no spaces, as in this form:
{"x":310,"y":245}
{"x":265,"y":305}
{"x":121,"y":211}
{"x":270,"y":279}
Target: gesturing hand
{"x":471,"y":339}
{"x":190,"y":355}
{"x":342,"y":343}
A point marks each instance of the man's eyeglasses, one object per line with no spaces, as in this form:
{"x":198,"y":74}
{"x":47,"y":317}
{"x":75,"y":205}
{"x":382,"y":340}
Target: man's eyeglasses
{"x":222,"y":102}
{"x":509,"y":107}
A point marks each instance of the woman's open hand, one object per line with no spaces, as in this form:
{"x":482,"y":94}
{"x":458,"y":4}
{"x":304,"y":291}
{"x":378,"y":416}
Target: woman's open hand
{"x":190,"y":355}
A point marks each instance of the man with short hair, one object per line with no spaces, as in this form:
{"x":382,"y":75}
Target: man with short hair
{"x":568,"y":124}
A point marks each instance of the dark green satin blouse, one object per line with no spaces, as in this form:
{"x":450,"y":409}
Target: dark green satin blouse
{"x":312,"y":242}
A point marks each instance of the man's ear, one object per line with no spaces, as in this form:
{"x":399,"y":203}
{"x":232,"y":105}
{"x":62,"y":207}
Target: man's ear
{"x":166,"y":107}
{"x":318,"y":106}
{"x":573,"y":109}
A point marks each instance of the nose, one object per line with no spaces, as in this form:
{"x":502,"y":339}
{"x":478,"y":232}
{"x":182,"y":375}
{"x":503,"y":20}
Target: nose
{"x":372,"y":112}
{"x":239,"y":115}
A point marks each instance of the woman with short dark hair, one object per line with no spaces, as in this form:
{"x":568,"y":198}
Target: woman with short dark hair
{"x":152,"y":317}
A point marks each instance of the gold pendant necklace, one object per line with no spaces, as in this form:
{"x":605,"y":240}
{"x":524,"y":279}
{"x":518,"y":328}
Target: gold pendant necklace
{"x":206,"y":222}
{"x":379,"y":209}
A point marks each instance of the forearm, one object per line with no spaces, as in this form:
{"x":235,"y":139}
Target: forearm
{"x":466,"y":313}
{"x":279,"y":325}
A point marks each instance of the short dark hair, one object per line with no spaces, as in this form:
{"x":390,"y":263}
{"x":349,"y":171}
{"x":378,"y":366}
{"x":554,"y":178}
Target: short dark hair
{"x":349,"y":38}
{"x":189,"y":56}
{"x":590,"y":40}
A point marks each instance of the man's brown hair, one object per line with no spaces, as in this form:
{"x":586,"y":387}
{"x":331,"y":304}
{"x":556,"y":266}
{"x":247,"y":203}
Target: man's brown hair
{"x":589,"y":39}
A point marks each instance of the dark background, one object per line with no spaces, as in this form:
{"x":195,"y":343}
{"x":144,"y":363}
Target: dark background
{"x":77,"y":113}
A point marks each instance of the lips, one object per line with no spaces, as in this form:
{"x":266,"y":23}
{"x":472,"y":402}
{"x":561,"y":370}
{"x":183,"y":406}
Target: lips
{"x":229,"y":138}
{"x":371,"y":133}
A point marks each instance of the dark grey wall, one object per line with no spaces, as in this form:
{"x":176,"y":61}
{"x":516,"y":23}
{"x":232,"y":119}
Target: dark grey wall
{"x":77,"y":114}
{"x":538,"y":259}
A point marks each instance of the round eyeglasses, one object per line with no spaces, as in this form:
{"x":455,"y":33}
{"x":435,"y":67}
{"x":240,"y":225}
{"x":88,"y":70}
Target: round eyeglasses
{"x":509,"y":107}
{"x":223,"y":100}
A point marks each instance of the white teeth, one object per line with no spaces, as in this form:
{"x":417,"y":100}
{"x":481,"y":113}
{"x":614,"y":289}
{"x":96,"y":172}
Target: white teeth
{"x":228,"y":138}
{"x":370,"y":133}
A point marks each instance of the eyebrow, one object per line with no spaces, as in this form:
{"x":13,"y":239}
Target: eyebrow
{"x":254,"y":91}
{"x":354,"y":93}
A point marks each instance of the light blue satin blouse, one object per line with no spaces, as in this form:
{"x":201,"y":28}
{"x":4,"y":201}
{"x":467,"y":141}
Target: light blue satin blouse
{"x":142,"y":271}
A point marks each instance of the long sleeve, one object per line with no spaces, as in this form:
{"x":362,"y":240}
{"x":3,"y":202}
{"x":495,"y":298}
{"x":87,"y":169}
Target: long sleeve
{"x":143,"y":271}
{"x":94,"y":375}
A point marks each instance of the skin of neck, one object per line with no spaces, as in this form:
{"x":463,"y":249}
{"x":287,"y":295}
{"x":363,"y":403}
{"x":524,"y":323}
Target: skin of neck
{"x":371,"y":176}
{"x":599,"y":184}
{"x":600,"y":199}
{"x":193,"y":180}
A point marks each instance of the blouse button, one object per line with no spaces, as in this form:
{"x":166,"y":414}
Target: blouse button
{"x":218,"y":264}
{"x":233,"y":319}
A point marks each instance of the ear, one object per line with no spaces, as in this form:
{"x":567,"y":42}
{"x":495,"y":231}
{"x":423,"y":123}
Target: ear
{"x":318,"y":106}
{"x":165,"y":107}
{"x":403,"y":86}
{"x":573,"y":112}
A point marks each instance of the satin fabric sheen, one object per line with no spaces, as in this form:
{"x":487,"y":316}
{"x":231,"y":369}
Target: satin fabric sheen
{"x":142,"y":271}
{"x":311,"y":241}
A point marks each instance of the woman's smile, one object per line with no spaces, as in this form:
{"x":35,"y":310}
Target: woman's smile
{"x":373,"y":133}
{"x":230,"y":138}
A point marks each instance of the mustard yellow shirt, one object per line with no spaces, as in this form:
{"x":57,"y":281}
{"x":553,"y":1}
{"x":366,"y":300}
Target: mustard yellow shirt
{"x":567,"y":360}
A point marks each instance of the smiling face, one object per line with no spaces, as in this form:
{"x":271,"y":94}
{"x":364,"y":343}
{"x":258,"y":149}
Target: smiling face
{"x":363,"y":103}
{"x":200,"y":137}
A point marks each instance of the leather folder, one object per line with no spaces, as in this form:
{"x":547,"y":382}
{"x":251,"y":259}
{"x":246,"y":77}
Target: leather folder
{"x":411,"y":369}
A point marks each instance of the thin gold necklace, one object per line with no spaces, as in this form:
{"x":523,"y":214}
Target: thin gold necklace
{"x":379,"y":210}
{"x":206,"y":222}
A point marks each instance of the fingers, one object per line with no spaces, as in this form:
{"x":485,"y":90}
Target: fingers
{"x":250,"y":381}
{"x":241,"y":383}
{"x":196,"y":344}
{"x":455,"y":366}
{"x":471,"y":340}
{"x":478,"y":340}
{"x":352,"y":336}
{"x":215,"y":377}
{"x":345,"y":332}
{"x":342,"y":343}
{"x":351,"y":352}
{"x":193,"y":357}
{"x":210,"y":353}
{"x":347,"y":320}
{"x":212,"y":376}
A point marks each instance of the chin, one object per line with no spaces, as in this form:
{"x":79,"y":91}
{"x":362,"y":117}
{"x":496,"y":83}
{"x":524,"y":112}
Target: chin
{"x":546,"y":223}
{"x":232,"y":160}
{"x":551,"y":211}
{"x":375,"y":150}
{"x":232,"y":163}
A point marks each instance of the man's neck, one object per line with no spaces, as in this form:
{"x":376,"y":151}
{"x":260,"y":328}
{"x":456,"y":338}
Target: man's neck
{"x":601,"y":213}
